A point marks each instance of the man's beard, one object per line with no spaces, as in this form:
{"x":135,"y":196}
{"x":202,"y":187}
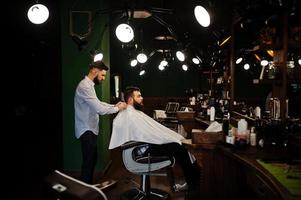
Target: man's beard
{"x":138,"y":106}
{"x":96,"y":81}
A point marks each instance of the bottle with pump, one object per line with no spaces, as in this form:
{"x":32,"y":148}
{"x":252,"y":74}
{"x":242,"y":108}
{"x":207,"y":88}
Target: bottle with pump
{"x":253,"y":137}
{"x":212,"y":113}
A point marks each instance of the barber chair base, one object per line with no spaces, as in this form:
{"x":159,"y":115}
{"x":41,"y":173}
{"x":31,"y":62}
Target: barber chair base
{"x":135,"y":194}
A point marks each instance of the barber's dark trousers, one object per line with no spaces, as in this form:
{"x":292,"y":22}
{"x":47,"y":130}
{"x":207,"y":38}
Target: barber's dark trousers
{"x":88,"y":142}
{"x":191,"y":170}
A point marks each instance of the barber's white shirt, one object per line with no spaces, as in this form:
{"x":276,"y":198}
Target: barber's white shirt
{"x":133,"y":125}
{"x":88,"y":108}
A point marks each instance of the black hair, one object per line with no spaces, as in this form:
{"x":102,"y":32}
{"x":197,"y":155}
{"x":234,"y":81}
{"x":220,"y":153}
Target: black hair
{"x":99,"y":65}
{"x":129,"y":92}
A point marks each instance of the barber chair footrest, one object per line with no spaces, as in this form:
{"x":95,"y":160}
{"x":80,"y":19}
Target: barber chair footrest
{"x":135,"y":194}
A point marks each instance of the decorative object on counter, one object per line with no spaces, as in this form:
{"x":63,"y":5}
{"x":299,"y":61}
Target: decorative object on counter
{"x":274,"y":105}
{"x":207,"y":139}
{"x":212,"y":113}
{"x":192,"y":100}
{"x":253,"y":137}
{"x":257,"y":112}
{"x":242,"y":136}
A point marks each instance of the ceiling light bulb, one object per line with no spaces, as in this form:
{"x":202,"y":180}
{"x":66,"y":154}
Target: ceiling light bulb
{"x":142,"y":58}
{"x":124,"y":33}
{"x":142,"y":72}
{"x":134,"y":62}
{"x":238,"y":60}
{"x":299,"y":61}
{"x":180,"y":55}
{"x":163,"y":63}
{"x":98,"y":57}
{"x":246,"y":66}
{"x":161,"y":67}
{"x":38,"y":14}
{"x":202,"y":16}
{"x":264,"y":63}
{"x":184,"y":67}
{"x":196,"y":61}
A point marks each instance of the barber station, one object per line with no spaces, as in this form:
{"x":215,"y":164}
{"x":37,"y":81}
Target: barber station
{"x":154,"y":100}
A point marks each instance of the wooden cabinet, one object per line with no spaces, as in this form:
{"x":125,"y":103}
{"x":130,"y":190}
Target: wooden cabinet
{"x":229,"y":174}
{"x":260,"y":188}
{"x":244,"y":178}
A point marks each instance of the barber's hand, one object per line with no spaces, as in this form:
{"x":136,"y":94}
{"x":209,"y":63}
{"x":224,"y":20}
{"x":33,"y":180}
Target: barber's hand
{"x":121,"y":105}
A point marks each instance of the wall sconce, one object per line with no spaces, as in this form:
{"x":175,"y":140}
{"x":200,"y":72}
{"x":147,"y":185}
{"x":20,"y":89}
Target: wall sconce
{"x":80,"y":31}
{"x":38,"y":14}
{"x":80,"y":42}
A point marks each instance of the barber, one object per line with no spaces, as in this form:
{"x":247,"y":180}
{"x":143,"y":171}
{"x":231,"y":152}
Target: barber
{"x":87,"y":110}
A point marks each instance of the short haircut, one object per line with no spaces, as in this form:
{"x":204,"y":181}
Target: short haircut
{"x":129,"y":92}
{"x":99,"y":65}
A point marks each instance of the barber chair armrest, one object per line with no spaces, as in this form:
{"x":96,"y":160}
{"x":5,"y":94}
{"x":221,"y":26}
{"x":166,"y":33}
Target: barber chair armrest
{"x":130,"y":144}
{"x":150,"y":159}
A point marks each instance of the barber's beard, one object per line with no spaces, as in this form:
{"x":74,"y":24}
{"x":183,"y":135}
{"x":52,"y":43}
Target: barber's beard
{"x":96,"y":81}
{"x":138,"y":106}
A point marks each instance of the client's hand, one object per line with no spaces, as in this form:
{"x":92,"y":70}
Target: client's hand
{"x":121,"y":105}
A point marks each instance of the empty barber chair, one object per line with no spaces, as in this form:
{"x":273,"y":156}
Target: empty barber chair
{"x":63,"y":187}
{"x":137,"y":161}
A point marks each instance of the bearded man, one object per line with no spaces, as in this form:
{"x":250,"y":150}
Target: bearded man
{"x":132,"y":124}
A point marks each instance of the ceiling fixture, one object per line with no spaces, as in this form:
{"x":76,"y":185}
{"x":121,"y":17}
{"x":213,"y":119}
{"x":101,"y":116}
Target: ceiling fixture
{"x":271,"y":53}
{"x":142,"y":58}
{"x":142,"y":72}
{"x":134,"y":62}
{"x":196,"y":61}
{"x":246,"y":66}
{"x":124,"y":33}
{"x":161,"y":67}
{"x":38,"y":14}
{"x":264,"y":63}
{"x":180,"y":55}
{"x":257,"y":57}
{"x":202,"y":16}
{"x":184,"y":67}
{"x":98,"y":57}
{"x":224,"y":41}
{"x":238,"y":60}
{"x":140,"y":14}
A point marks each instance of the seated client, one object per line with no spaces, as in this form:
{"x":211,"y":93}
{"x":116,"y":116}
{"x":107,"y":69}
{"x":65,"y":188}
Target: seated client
{"x":132,"y":124}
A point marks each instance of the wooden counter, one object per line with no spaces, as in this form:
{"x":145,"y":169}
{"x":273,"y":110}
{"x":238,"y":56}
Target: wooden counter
{"x":228,"y":173}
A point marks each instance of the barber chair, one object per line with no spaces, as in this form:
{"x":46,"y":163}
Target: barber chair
{"x":137,"y":161}
{"x":63,"y":187}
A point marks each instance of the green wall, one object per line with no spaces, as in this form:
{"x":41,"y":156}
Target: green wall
{"x":74,"y":68}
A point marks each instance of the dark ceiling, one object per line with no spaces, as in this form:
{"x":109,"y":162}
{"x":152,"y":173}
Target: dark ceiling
{"x":176,"y":19}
